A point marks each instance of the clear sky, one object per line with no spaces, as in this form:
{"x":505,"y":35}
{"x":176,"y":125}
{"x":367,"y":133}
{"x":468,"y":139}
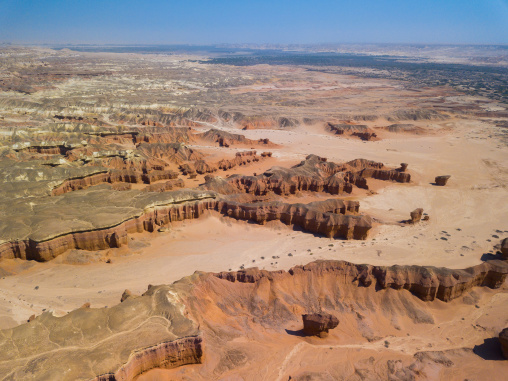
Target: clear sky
{"x":260,"y":21}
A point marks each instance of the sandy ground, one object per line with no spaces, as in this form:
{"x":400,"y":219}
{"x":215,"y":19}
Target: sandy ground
{"x":467,"y":218}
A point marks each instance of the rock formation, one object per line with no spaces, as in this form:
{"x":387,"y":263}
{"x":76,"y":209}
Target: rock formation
{"x":425,"y":282}
{"x":416,"y":215}
{"x":442,"y":180}
{"x":226,"y":139}
{"x":504,"y":248}
{"x":160,"y":328}
{"x":166,"y":355}
{"x":503,"y":339}
{"x":319,"y":324}
{"x":332,"y":218}
{"x":359,"y":130}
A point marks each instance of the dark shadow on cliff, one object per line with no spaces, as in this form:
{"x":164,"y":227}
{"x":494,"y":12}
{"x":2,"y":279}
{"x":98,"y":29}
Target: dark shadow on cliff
{"x":489,"y":350}
{"x":490,"y":257}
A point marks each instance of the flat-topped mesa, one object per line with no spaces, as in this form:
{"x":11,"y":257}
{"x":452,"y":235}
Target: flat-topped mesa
{"x":314,"y":174}
{"x":113,"y":177}
{"x":332,"y":218}
{"x":181,"y":205}
{"x":241,"y":158}
{"x":425,"y":282}
{"x":327,"y":218}
{"x":226,"y":139}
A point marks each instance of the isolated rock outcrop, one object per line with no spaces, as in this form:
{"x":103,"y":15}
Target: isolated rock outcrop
{"x":416,"y":215}
{"x":442,"y":180}
{"x":503,"y":339}
{"x":164,"y":327}
{"x":319,"y":324}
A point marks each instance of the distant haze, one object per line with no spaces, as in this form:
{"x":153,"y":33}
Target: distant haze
{"x":261,"y":21}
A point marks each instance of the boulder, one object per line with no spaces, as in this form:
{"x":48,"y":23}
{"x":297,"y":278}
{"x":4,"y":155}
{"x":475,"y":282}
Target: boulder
{"x":442,"y":180}
{"x":403,"y":167}
{"x":319,"y":324}
{"x":503,"y":339}
{"x":416,"y":215}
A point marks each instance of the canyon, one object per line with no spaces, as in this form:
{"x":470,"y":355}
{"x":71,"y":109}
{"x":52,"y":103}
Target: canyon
{"x":191,"y":217}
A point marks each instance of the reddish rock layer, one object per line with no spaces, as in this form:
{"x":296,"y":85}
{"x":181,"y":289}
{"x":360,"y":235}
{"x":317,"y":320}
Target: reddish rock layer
{"x":241,"y":158}
{"x":112,"y":177}
{"x":313,"y":174}
{"x":427,"y":283}
{"x":226,"y":139}
{"x":166,"y":355}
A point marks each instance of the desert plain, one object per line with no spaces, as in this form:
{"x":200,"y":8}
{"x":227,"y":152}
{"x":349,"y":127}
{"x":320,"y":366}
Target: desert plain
{"x":173,"y":216}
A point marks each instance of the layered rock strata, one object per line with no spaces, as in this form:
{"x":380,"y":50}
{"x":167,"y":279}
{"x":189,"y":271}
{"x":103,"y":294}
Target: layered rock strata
{"x":166,"y":355}
{"x":113,"y":177}
{"x":425,"y":282}
{"x":314,"y":174}
{"x":160,"y":328}
{"x":331,"y":218}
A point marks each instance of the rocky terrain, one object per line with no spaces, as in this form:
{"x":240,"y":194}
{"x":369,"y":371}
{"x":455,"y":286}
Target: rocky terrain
{"x":199,"y":320}
{"x":180,"y":217}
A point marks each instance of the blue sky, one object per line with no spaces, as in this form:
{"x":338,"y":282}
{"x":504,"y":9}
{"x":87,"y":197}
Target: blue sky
{"x":262,"y":21}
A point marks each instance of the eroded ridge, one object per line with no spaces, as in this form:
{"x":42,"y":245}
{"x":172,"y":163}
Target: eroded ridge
{"x":333,"y":218}
{"x":314,"y":174}
{"x":425,"y":282}
{"x":167,"y":355}
{"x":159,"y":329}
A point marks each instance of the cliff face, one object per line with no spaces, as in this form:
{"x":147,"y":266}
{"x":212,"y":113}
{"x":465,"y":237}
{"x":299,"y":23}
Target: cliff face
{"x":166,"y":355}
{"x":328,"y":218}
{"x":113,"y":177}
{"x":427,"y":283}
{"x":236,"y":321}
{"x":314,"y":174}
